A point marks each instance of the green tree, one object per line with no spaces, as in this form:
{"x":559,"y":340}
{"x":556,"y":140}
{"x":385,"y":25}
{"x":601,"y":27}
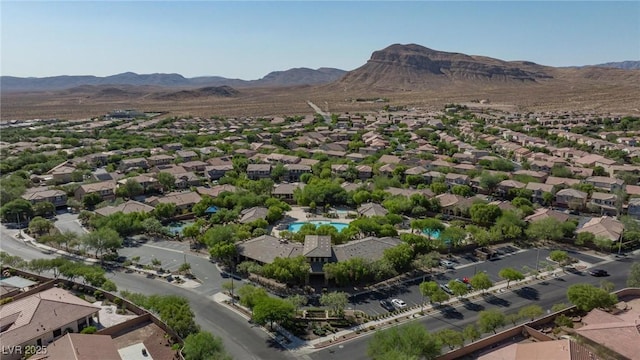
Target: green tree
{"x":531,"y":312}
{"x":102,"y":239}
{"x":512,"y":318}
{"x":559,"y":256}
{"x":90,"y":201}
{"x":204,"y":346}
{"x":167,"y":181}
{"x":110,"y":286}
{"x":587,"y":297}
{"x":484,"y":214}
{"x":153,"y":226}
{"x":165,"y":211}
{"x":411,"y":341}
{"x":602,"y":243}
{"x":453,"y":236}
{"x":545,"y":229}
{"x":457,"y":288}
{"x":251,"y":295}
{"x":471,"y":333}
{"x":450,"y":338}
{"x":559,"y":307}
{"x":490,"y":320}
{"x":438,"y":188}
{"x":510,"y":274}
{"x":44,"y":208}
{"x":270,"y":310}
{"x":337,"y":301}
{"x":481,"y":281}
{"x":40,"y":226}
{"x":297,"y":301}
{"x":634,"y":275}
{"x":462,"y":190}
{"x":16,"y":210}
{"x":400,"y":256}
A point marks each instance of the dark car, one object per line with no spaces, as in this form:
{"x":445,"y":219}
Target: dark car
{"x":387,"y":305}
{"x":598,"y":272}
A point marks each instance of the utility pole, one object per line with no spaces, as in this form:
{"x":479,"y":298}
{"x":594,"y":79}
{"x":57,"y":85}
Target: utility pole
{"x":537,"y":260}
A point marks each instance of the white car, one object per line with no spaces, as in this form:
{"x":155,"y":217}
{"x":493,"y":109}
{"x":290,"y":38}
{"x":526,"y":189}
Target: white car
{"x":398,"y":303}
{"x":447,"y":264}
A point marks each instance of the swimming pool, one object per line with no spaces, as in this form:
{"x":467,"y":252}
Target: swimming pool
{"x":295,"y":227}
{"x":434,"y":234}
{"x":176,"y":228}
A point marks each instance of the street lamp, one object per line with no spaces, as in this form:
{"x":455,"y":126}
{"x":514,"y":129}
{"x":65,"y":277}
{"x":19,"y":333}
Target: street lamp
{"x":537,"y":260}
{"x":421,"y":293}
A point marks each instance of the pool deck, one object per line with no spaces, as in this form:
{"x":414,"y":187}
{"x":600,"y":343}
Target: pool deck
{"x":300,"y":214}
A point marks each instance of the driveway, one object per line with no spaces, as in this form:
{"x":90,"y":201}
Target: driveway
{"x":69,"y":222}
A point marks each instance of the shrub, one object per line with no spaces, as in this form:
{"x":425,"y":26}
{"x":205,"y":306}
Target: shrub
{"x":563,"y":320}
{"x":89,"y":330}
{"x":6,"y":301}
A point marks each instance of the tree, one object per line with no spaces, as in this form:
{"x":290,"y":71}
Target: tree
{"x":510,"y":274}
{"x":167,"y":180}
{"x":297,"y":301}
{"x":90,"y":201}
{"x":269,"y":309}
{"x":450,"y":337}
{"x":458,"y":288}
{"x":411,"y":341}
{"x":453,"y":236}
{"x":110,"y":286}
{"x":337,"y":301}
{"x":438,"y":188}
{"x":462,"y":190}
{"x":16,"y":210}
{"x":165,"y":211}
{"x":545,"y":229}
{"x":588,"y":297}
{"x":602,"y":243}
{"x":39,"y":265}
{"x":44,"y":208}
{"x":39,"y":226}
{"x":607,"y":286}
{"x":484,"y":214}
{"x":489,"y":182}
{"x":481,"y":281}
{"x":490,"y":320}
{"x":512,"y":318}
{"x":103,"y":239}
{"x":634,"y":275}
{"x":204,"y":346}
{"x":559,"y":256}
{"x":471,"y":333}
{"x":250,"y":295}
{"x":530,"y":312}
{"x":153,"y":226}
{"x":399,"y":256}
{"x":130,"y":189}
{"x":559,"y":307}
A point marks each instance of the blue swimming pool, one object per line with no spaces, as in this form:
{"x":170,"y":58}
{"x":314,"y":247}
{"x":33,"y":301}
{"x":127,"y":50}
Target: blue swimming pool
{"x":175,"y":228}
{"x":295,"y":227}
{"x":434,"y":234}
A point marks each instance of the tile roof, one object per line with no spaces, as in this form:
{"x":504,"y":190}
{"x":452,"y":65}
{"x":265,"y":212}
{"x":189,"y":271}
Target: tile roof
{"x":317,"y":246}
{"x":370,"y":248}
{"x":81,"y":347}
{"x":266,"y":248}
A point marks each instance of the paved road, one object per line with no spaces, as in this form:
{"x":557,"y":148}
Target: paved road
{"x":544,"y":294}
{"x":66,"y":221}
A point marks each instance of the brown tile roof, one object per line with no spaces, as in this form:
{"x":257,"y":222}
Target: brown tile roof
{"x":130,"y":206}
{"x":23,"y":319}
{"x":81,"y":347}
{"x":613,"y":332}
{"x":604,"y":226}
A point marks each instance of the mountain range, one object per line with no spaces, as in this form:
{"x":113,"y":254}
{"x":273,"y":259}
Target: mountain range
{"x":395,"y":67}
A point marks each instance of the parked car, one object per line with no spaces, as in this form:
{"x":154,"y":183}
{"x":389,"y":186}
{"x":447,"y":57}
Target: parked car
{"x":446,"y":289}
{"x":598,"y":272}
{"x":387,"y":305}
{"x":447,"y":264}
{"x":466,"y":282}
{"x":398,"y":303}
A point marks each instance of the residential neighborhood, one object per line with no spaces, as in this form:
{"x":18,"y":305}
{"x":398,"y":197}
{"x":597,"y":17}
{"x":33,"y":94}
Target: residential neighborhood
{"x":304,"y":207}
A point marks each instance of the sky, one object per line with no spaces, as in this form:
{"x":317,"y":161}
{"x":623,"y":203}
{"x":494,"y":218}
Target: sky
{"x":249,"y":39}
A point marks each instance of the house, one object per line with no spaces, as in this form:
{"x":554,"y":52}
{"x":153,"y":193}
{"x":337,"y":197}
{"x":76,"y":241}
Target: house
{"x":364,"y":172}
{"x":266,"y":248}
{"x":317,"y":250}
{"x":634,"y":208}
{"x":215,"y":172}
{"x":184,"y":201}
{"x":453,"y":179}
{"x":37,"y":195}
{"x":543,"y":213}
{"x":605,"y":183}
{"x":186,"y":179}
{"x":605,"y":202}
{"x":43,"y":317}
{"x":370,"y":248}
{"x":258,"y":171}
{"x":371,"y":209}
{"x":215,"y":191}
{"x":127,"y":165}
{"x":106,"y":190}
{"x":563,"y":349}
{"x":285,"y":192}
{"x":62,"y":173}
{"x":617,"y":332}
{"x":130,"y":206}
{"x":147,"y":182}
{"x":539,"y":176}
{"x":250,"y":215}
{"x":538,"y":190}
{"x":172,"y":147}
{"x":605,"y":226}
{"x":196,"y":166}
{"x":294,"y":171}
{"x":506,"y":185}
{"x":81,"y":347}
{"x":561,"y":182}
{"x":161,"y":159}
{"x":389,"y":159}
{"x":571,"y":198}
{"x":187,"y":155}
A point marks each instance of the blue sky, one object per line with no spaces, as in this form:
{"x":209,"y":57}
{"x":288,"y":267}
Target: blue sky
{"x":247,"y":40}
